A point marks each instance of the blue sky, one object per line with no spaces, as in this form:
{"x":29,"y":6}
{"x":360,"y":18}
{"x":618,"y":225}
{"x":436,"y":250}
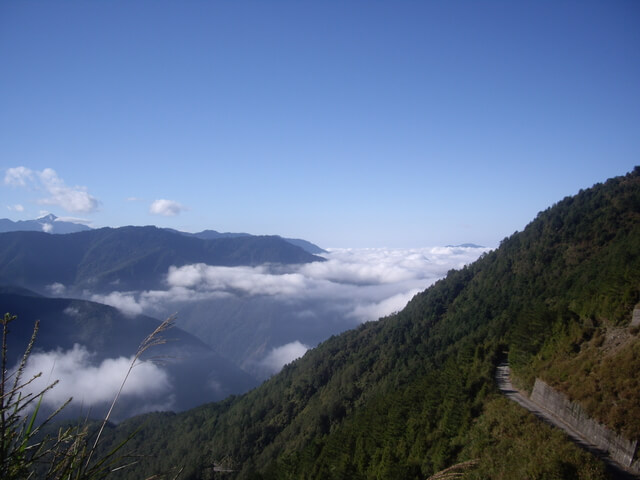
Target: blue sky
{"x":350,"y":124}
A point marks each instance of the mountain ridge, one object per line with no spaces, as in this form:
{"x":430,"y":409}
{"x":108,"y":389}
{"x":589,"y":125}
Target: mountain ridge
{"x":48,"y":223}
{"x":51,"y":224}
{"x":127,"y":257}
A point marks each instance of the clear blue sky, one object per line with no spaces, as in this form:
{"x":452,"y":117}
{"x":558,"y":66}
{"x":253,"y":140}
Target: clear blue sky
{"x":348,"y":123}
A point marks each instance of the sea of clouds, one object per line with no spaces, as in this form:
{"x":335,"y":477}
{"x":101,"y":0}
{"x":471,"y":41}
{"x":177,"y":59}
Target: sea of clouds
{"x":358,"y":285}
{"x":363,"y":284}
{"x":377,"y":282}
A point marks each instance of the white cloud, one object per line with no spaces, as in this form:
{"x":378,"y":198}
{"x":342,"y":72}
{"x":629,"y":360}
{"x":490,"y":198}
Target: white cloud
{"x":72,"y":199}
{"x":393,"y":304}
{"x":359,"y":274}
{"x":362,"y":284}
{"x":57,"y":288}
{"x":280,"y":356}
{"x":123,"y":301}
{"x":72,"y":311}
{"x":47,"y":227}
{"x":167,"y":208}
{"x":83,"y":221}
{"x":18,"y":176}
{"x":91,"y":384}
{"x":247,"y":280}
{"x":16,"y":208}
{"x":369,"y":266}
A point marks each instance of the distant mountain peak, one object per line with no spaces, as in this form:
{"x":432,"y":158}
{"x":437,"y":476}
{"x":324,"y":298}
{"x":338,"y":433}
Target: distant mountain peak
{"x":465,"y":245}
{"x":48,"y":223}
{"x":50,"y":217}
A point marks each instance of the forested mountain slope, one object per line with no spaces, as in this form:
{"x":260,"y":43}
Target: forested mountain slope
{"x":413,"y":393}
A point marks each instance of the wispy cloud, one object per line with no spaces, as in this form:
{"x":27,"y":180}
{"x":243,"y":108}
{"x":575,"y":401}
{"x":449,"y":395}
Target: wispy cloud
{"x":123,"y":301}
{"x":16,"y":208}
{"x":72,"y":199}
{"x":166,"y":208}
{"x":57,"y":289}
{"x":83,"y":221}
{"x":280,"y":356}
{"x":395,"y":303}
{"x":18,"y":176}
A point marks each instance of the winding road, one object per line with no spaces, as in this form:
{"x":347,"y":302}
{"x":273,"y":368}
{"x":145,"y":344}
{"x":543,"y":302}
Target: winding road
{"x":503,"y":380}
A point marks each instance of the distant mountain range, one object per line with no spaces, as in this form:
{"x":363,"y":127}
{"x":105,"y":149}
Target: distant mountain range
{"x":52,"y":224}
{"x":213,"y":234}
{"x":128,"y":258}
{"x":48,"y":224}
{"x":465,"y":245}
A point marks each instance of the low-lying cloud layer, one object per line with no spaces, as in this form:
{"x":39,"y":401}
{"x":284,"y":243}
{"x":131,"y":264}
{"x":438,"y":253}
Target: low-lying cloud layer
{"x":377,"y":282}
{"x":91,"y":383}
{"x":352,"y":286}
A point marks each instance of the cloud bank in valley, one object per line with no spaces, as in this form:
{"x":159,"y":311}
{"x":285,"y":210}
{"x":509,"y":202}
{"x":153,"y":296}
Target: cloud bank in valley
{"x":352,"y":286}
{"x":375,"y":282}
{"x":369,"y":283}
{"x":91,"y":383}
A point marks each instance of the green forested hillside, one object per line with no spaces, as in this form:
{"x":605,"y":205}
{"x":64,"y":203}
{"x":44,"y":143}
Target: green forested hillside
{"x":413,"y":393}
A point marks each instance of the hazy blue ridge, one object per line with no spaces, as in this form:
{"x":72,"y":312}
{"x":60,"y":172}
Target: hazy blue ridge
{"x":213,"y":234}
{"x":52,"y":224}
{"x":128,"y":257}
{"x":49,"y":223}
{"x":465,"y":245}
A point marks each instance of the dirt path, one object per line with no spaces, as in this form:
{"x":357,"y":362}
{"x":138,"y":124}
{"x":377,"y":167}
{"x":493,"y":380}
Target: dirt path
{"x":503,"y":381}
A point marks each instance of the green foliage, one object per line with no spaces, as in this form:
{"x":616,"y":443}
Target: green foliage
{"x":602,"y":375}
{"x":509,"y":443}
